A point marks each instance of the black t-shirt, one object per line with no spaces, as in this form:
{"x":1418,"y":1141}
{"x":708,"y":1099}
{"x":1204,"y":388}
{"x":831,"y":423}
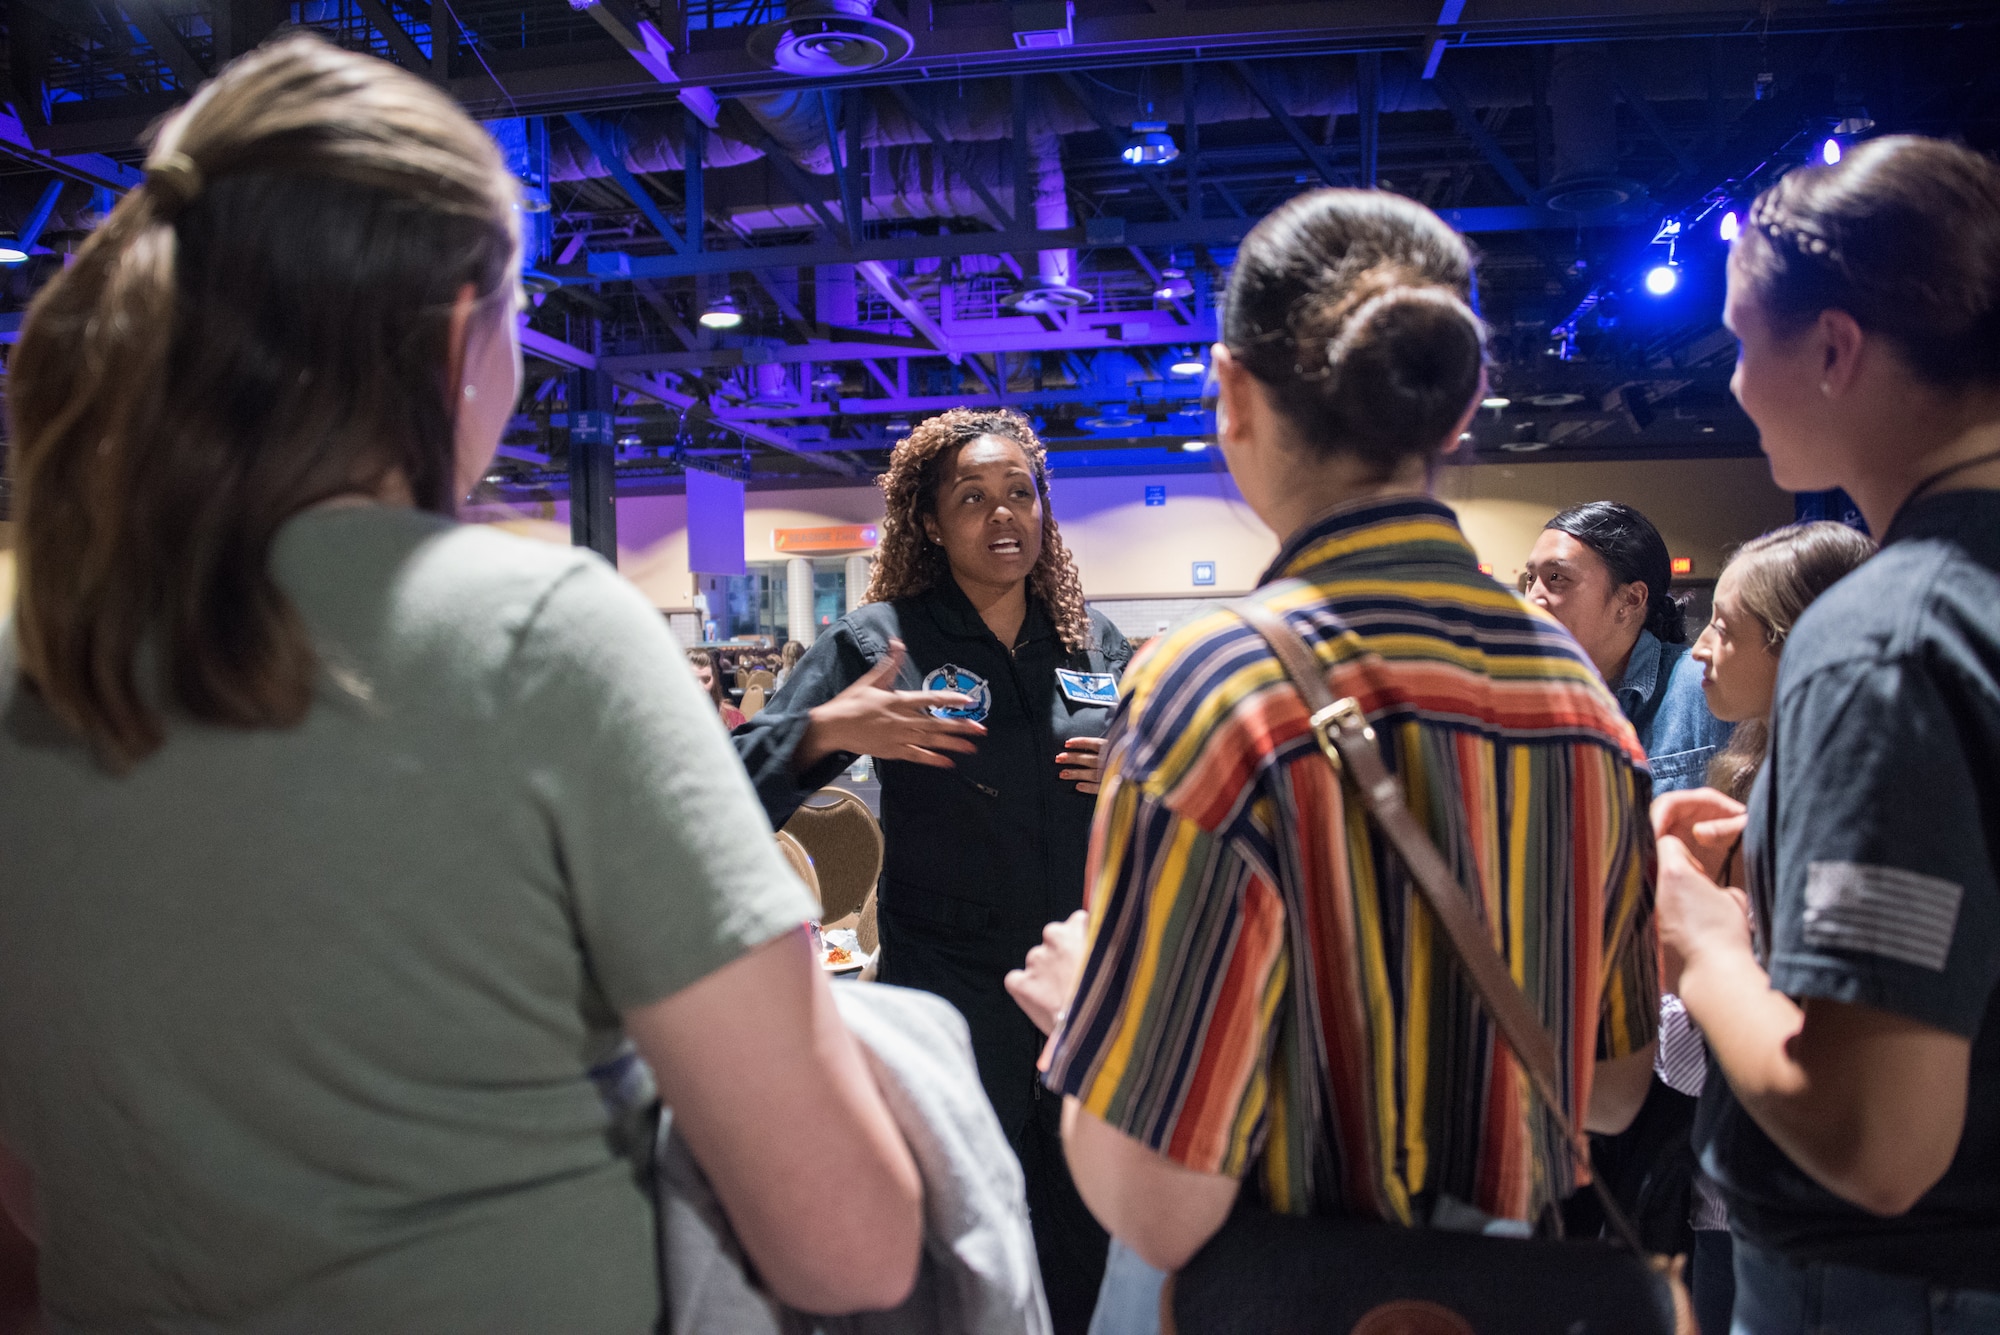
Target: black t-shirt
{"x":1874,"y":830}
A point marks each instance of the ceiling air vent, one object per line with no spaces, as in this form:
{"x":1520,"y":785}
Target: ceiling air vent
{"x":1041,"y":297}
{"x":819,"y":38}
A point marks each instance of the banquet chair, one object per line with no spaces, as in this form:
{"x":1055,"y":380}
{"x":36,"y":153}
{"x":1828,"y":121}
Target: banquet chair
{"x":845,"y":843}
{"x":801,"y":861}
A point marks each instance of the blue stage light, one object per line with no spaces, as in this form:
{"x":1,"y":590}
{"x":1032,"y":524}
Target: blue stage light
{"x":1662,"y":279}
{"x":1732,"y":226}
{"x":1829,"y":152}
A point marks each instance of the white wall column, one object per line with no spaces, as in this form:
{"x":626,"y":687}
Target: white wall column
{"x":859,"y":566}
{"x":799,"y":601}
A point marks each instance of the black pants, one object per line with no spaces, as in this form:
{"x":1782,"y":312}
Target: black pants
{"x":1068,"y":1240}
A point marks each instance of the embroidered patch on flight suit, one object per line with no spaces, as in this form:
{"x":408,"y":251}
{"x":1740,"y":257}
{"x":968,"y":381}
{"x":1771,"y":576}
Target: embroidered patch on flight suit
{"x":1088,"y":688}
{"x":952,"y":677}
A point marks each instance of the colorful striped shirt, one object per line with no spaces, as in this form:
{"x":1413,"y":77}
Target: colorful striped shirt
{"x":1265,"y":997}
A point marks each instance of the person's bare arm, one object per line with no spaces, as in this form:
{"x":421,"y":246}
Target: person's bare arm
{"x":777,"y":1103}
{"x":1617,"y":1089}
{"x":1162,"y":1211}
{"x":1870,"y":1104}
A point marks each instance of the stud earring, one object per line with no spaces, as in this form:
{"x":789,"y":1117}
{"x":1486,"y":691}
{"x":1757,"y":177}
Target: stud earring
{"x":471,"y":391}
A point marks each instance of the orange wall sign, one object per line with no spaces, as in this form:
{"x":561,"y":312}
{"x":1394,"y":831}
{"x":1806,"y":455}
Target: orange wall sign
{"x":841,"y":538}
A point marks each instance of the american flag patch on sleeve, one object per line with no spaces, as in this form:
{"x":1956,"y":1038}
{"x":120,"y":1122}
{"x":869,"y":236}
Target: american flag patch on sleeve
{"x":1886,"y":911}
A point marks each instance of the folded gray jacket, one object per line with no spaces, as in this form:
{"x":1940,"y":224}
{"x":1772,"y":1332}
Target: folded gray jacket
{"x":978,"y":1275}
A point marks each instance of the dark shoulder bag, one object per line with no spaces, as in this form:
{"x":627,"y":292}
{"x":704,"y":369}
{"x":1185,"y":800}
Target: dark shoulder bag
{"x":1270,"y":1274}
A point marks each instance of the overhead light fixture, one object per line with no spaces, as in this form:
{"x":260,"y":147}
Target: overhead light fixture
{"x":1561,"y":400}
{"x":1829,"y":152}
{"x":1730,"y":227}
{"x":629,"y":442}
{"x":1193,"y":446}
{"x":1038,"y":296}
{"x":1174,"y":285}
{"x":1495,"y":401}
{"x":1527,"y":439}
{"x":1663,"y":278}
{"x":1186,"y":364}
{"x":722,"y":314}
{"x":827,"y":380}
{"x":537,"y":283}
{"x":1151,"y":145}
{"x":12,"y":251}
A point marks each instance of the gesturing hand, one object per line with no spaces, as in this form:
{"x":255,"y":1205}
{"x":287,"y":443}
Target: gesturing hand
{"x":1085,"y":759}
{"x":1044,"y":985}
{"x":873,"y":718}
{"x":1707,"y":823}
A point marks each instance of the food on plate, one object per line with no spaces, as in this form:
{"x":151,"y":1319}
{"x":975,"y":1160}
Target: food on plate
{"x":836,"y":958}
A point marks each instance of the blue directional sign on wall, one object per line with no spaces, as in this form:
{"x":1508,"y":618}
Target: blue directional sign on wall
{"x":1156,"y":495}
{"x":1204,"y":573}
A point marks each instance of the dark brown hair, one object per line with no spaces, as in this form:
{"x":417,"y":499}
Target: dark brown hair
{"x":261,"y":326}
{"x":1904,"y":235}
{"x":907,"y":563}
{"x":703,"y":658}
{"x":1353,"y":308}
{"x":1778,"y":576}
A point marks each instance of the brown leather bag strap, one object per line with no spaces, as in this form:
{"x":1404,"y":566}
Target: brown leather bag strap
{"x":1343,"y":734}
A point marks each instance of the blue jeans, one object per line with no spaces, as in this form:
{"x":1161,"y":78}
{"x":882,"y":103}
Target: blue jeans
{"x":1128,"y":1302}
{"x":1775,"y":1296}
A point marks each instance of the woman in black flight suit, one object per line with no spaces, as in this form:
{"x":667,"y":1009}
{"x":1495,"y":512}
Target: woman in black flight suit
{"x":981,"y":684}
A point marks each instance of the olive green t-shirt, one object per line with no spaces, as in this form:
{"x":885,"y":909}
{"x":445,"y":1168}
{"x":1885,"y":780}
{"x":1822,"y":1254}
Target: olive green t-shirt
{"x":296,"y":1025}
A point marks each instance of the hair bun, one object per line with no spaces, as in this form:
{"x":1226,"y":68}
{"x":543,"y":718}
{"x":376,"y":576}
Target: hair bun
{"x":1406,"y":362}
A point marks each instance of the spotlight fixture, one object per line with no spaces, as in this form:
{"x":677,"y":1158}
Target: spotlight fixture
{"x":1730,"y":227}
{"x":1151,"y":145}
{"x":1495,"y":401}
{"x":1663,"y":278}
{"x":827,"y":380}
{"x":1193,"y":446}
{"x":1174,"y":285}
{"x":12,"y":251}
{"x":1186,"y":364}
{"x":1829,"y":152}
{"x":1557,"y":400}
{"x":1038,"y":296}
{"x":629,"y":442}
{"x":722,"y":314}
{"x":1527,"y":439}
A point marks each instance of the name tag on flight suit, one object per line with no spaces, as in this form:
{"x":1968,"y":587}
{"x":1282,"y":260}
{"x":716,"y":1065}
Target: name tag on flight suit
{"x":1088,"y":688}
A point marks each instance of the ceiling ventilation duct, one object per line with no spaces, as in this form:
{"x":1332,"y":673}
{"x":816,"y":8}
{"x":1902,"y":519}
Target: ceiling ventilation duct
{"x":821,"y":38}
{"x":1583,"y":109}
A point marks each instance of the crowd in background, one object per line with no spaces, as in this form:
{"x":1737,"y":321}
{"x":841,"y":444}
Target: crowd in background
{"x":380,"y":896}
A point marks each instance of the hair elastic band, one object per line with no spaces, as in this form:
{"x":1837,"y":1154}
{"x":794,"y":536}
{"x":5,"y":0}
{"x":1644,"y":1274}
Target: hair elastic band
{"x":175,"y":180}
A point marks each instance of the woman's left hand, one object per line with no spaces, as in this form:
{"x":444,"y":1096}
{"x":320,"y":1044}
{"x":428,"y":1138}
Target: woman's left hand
{"x":1043,"y":984}
{"x":1084,"y":760}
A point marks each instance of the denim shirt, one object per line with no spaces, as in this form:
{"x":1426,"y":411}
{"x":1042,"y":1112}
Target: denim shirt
{"x":1661,"y":694}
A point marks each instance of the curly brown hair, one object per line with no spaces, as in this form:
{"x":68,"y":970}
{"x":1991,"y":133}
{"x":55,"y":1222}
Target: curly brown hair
{"x":907,"y":563}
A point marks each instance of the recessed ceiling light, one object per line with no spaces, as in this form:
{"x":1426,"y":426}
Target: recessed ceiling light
{"x":1194,"y":446}
{"x":1495,"y":401}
